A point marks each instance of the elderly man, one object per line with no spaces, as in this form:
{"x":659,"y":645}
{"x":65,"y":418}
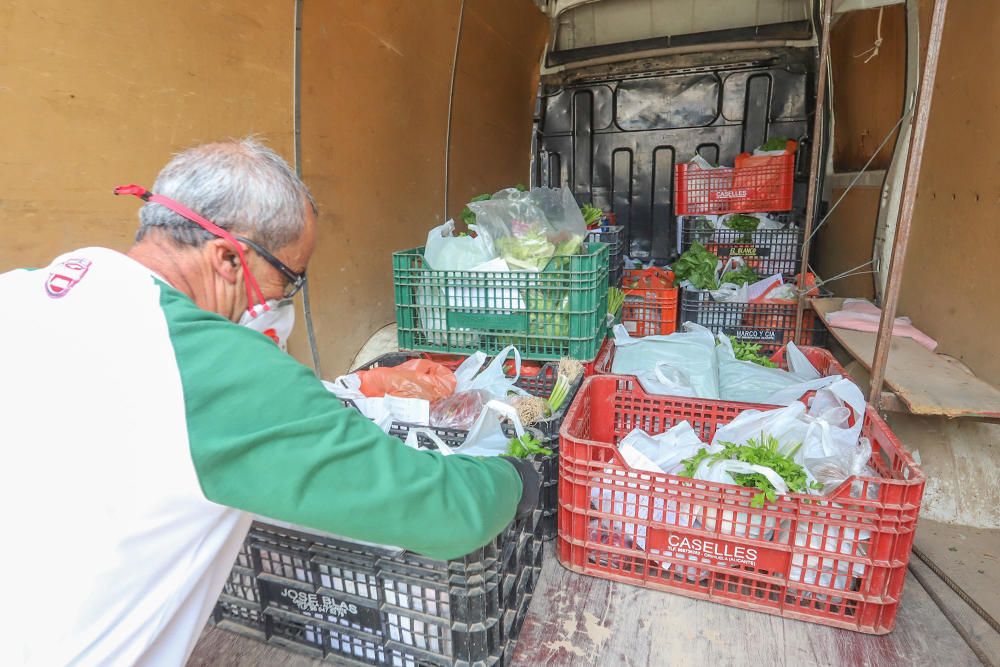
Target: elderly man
{"x":141,"y":424}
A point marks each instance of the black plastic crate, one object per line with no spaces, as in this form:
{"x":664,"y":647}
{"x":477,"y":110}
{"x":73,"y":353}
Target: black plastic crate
{"x":238,"y":608}
{"x":540,"y":384}
{"x":242,"y":619}
{"x":547,"y":466}
{"x":769,"y":324}
{"x":614,"y":236}
{"x":766,"y":251}
{"x":356,"y":603}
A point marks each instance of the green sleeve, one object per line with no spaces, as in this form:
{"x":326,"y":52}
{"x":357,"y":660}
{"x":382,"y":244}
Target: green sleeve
{"x":267,"y":437}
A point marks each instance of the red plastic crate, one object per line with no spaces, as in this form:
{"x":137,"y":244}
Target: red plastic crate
{"x":838,"y":559}
{"x":822,"y":360}
{"x":649,"y":309}
{"x":756,"y":183}
{"x":590,"y":367}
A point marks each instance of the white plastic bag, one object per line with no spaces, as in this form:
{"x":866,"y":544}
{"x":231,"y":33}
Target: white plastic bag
{"x":691,"y":352}
{"x":840,"y":452}
{"x":799,"y":364}
{"x":486,"y":437}
{"x":381,"y":410}
{"x":413,"y":440}
{"x":471,"y":375}
{"x":752,"y":383}
{"x":722,"y":471}
{"x":663,"y":452}
{"x":666,"y":380}
{"x":825,"y":439}
{"x":446,"y":252}
{"x":788,"y":425}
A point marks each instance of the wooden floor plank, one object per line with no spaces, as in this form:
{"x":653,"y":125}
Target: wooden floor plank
{"x":969,"y":556}
{"x":577,"y":620}
{"x":580,"y":620}
{"x":927,"y":383}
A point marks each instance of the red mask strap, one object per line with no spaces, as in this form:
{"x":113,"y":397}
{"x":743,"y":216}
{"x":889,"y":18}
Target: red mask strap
{"x":180,"y":209}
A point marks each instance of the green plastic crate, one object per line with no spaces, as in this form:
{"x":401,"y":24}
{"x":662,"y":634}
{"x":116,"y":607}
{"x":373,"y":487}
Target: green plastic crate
{"x":558,"y":312}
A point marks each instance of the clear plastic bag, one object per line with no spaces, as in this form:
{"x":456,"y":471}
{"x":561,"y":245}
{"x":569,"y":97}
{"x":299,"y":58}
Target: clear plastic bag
{"x":528,"y":228}
{"x":458,"y":411}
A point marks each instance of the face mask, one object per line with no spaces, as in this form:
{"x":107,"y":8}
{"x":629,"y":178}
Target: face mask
{"x":275,"y":321}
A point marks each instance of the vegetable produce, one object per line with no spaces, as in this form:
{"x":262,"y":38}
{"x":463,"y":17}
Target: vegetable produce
{"x":559,"y":393}
{"x":616,"y":298}
{"x":741,"y":276}
{"x":467,"y":216}
{"x":750,"y":352}
{"x":525,"y":446}
{"x":697,"y":265}
{"x":531,"y":250}
{"x":591,"y":215}
{"x":742,"y":223}
{"x":774,"y":144}
{"x":458,"y":411}
{"x":532,"y":409}
{"x":762,"y":452}
{"x":571,"y":368}
{"x":570,"y":246}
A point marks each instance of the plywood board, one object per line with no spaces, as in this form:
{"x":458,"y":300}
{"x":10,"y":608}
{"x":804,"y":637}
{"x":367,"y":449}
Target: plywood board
{"x":868,"y":93}
{"x":947,"y":286}
{"x":927,"y":383}
{"x":846,"y":241}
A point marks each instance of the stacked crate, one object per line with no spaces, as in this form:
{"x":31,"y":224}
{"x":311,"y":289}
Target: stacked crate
{"x":757,"y":184}
{"x":344,"y":601}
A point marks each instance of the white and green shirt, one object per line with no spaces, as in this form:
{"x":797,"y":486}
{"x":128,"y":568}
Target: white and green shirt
{"x":141,"y":429}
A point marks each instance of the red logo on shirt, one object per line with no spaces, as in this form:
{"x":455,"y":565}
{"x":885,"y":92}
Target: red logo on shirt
{"x":65,"y":276}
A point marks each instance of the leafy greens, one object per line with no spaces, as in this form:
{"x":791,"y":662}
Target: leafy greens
{"x":697,"y":265}
{"x":763,"y":452}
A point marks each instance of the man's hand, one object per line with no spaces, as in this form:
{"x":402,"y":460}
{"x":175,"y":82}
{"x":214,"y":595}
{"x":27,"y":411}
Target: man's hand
{"x":531,"y":483}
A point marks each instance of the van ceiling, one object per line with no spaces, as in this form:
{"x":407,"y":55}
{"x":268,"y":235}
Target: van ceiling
{"x":595,"y":23}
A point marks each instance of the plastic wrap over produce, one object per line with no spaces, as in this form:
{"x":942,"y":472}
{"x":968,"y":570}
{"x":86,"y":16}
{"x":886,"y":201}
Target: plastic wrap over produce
{"x":697,"y":363}
{"x":527,"y":229}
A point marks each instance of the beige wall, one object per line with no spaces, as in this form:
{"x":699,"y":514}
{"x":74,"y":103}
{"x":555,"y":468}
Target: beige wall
{"x":100,"y":93}
{"x":96,"y":94}
{"x":376,"y":78}
{"x":954,"y":243}
{"x":948,"y":288}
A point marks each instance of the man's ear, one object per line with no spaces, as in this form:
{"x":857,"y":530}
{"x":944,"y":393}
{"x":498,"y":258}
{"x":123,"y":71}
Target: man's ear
{"x":223,"y":259}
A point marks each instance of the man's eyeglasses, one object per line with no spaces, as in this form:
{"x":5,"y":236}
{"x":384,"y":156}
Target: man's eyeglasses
{"x":296,"y":281}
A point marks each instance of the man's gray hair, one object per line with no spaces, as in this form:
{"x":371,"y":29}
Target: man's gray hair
{"x":242,"y":186}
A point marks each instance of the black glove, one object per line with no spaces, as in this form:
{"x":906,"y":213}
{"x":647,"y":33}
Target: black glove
{"x":531,"y":485}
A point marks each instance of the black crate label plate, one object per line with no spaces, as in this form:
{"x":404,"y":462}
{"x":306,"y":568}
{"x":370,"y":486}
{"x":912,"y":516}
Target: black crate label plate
{"x":321,"y":603}
{"x":745,"y":335}
{"x":742,"y":250}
